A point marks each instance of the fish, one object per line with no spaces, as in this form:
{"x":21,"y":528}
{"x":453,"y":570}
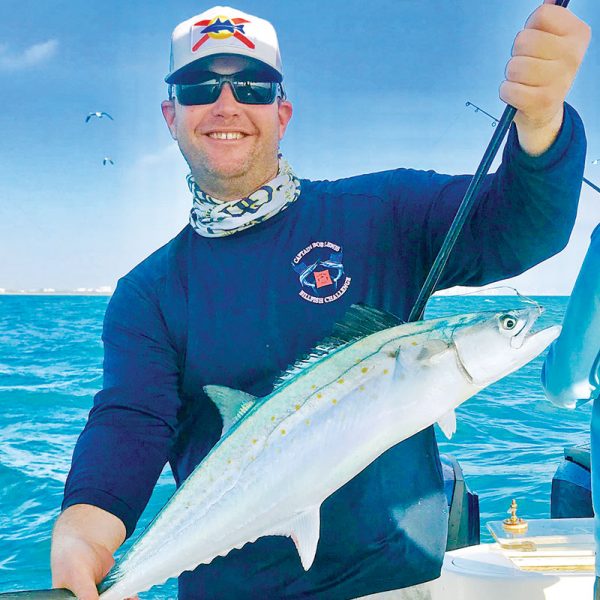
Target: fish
{"x":373,"y":383}
{"x":219,"y":26}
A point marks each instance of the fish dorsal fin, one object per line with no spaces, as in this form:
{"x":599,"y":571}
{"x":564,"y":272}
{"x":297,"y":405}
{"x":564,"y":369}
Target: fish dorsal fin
{"x":304,"y":530}
{"x":359,"y":321}
{"x":232,"y":404}
{"x":425,"y":353}
{"x":447,"y":423}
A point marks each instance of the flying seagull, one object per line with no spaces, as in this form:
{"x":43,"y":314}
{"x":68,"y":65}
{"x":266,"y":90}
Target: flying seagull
{"x":100,"y":115}
{"x":107,"y":160}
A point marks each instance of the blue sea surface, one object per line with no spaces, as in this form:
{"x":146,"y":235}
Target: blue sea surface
{"x":509,"y":440}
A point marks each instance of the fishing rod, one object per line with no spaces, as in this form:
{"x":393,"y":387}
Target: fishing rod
{"x":465,"y":207}
{"x":494,"y":123}
{"x":55,"y":594}
{"x":478,"y":109}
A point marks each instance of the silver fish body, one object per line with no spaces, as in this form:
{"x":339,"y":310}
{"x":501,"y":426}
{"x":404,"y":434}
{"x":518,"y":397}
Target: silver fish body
{"x":371,"y":386}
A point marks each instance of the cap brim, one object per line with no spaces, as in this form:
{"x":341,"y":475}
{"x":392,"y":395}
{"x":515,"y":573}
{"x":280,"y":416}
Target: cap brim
{"x":190,"y":72}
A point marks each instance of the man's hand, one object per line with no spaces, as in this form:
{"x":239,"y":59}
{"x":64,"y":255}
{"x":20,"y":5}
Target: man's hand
{"x":545,"y":58}
{"x":78,"y":565}
{"x":83,"y":542}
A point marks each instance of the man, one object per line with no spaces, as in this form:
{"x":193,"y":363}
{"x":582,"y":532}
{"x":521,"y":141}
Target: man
{"x":571,"y":372}
{"x":266,"y":267}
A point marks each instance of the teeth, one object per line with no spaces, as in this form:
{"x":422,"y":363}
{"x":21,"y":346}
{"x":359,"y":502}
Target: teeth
{"x":219,"y":135}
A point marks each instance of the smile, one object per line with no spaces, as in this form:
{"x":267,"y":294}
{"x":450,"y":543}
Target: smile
{"x":229,"y":135}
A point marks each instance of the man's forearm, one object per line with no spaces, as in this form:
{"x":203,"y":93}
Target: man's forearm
{"x":535,"y":140}
{"x":91,"y":523}
{"x":84,"y":540}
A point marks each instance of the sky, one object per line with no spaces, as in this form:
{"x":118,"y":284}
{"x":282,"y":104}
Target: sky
{"x":375,"y":85}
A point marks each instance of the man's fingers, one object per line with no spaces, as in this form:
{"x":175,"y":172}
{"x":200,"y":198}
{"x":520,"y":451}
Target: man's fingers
{"x":553,"y":19}
{"x":81,"y":585}
{"x":546,"y":56}
{"x":539,"y":44}
{"x":532,"y":71}
{"x":83,"y":589}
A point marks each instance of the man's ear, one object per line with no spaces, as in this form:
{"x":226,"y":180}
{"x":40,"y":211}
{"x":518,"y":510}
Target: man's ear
{"x":284,"y":110}
{"x":168,"y":111}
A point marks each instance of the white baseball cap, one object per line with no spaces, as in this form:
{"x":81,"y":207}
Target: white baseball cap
{"x":223,"y":30}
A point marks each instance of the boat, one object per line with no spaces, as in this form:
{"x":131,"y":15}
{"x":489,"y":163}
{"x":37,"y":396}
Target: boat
{"x":539,"y":559}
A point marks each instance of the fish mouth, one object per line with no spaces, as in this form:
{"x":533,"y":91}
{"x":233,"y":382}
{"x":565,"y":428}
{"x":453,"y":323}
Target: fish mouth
{"x":543,"y":337}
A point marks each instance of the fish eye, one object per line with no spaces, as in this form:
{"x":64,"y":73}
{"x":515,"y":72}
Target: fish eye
{"x":508,"y":322}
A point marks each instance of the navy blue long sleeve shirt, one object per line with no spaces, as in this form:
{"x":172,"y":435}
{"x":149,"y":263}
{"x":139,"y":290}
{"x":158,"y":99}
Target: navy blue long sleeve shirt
{"x":237,"y":310}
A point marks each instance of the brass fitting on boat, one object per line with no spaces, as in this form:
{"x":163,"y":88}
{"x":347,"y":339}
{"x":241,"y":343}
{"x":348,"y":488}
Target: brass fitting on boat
{"x":514,"y":524}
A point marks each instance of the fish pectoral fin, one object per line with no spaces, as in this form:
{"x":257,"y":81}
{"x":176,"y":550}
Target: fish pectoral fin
{"x":447,"y":423}
{"x":304,"y":530}
{"x":432,"y":351}
{"x":425,"y":354}
{"x":232,"y":404}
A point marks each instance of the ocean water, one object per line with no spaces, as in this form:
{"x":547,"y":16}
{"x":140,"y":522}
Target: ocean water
{"x":509,"y":440}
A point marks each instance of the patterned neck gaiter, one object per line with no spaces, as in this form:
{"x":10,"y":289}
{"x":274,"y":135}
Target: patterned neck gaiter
{"x":214,"y":218}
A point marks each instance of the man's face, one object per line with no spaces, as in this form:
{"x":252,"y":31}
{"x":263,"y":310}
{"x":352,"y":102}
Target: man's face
{"x":229,"y":166}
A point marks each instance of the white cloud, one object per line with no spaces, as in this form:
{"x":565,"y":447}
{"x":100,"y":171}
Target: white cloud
{"x":29,"y":57}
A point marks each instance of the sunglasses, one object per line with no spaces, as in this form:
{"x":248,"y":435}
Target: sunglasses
{"x":244,"y":91}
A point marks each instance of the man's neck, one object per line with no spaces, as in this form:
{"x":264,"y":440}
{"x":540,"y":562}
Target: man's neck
{"x":231,"y":189}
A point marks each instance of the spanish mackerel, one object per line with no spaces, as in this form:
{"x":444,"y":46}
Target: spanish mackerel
{"x":372,"y":384}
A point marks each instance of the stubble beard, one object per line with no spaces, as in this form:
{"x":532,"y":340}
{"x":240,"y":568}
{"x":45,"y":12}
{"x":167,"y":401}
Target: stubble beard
{"x":230,"y":180}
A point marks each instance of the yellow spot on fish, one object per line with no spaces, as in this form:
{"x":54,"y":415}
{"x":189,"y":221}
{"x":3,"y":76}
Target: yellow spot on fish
{"x":272,"y":418}
{"x":334,"y":401}
{"x":313,"y":387}
{"x":413,"y":343}
{"x":229,"y":462}
{"x":361,"y":388}
{"x":307,"y":421}
{"x":364,"y":370}
{"x":357,"y":361}
{"x":385,"y":371}
{"x":340,"y":381}
{"x":319,"y":395}
{"x":283,"y":432}
{"x":254,"y":441}
{"x":297,"y":407}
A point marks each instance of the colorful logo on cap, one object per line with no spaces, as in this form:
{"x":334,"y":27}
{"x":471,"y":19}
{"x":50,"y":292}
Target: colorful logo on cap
{"x":221,"y":28}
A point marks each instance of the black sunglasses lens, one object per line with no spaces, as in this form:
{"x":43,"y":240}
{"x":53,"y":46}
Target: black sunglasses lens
{"x":245,"y":92}
{"x":254,"y":92}
{"x":206,"y":92}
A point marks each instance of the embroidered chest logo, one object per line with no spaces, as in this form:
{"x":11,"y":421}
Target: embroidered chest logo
{"x":321,"y":272}
{"x":219,"y":28}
